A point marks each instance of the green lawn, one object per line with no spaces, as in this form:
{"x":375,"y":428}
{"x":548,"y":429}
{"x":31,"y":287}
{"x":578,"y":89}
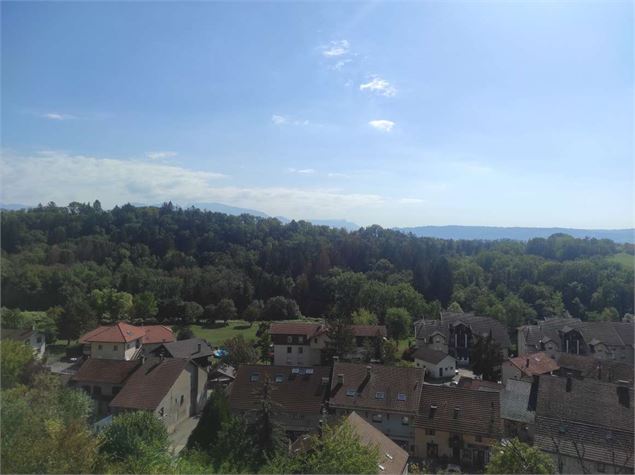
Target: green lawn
{"x":216,"y":334}
{"x":622,"y":258}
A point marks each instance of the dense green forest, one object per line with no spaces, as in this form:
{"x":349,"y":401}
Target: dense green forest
{"x":83,"y":264}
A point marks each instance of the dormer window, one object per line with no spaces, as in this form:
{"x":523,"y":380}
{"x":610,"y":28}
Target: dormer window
{"x":433,"y":410}
{"x":254,"y":377}
{"x":456,"y":413}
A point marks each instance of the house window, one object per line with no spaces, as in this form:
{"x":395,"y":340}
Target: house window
{"x":601,"y":467}
{"x":315,"y":340}
{"x":429,"y":431}
{"x":182,"y":399}
{"x":254,"y":377}
{"x":279,"y":378}
{"x":300,"y":350}
{"x":162,"y":412}
{"x":288,"y":349}
{"x":405,"y":420}
{"x":401,"y":396}
{"x":289,"y":339}
{"x":39,"y":339}
{"x":377,"y":417}
{"x":351,"y":392}
{"x":99,"y":347}
{"x":379,"y":395}
{"x":115,"y":347}
{"x":300,"y":339}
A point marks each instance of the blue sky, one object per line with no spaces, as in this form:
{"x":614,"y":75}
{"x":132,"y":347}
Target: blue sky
{"x":400,"y":114}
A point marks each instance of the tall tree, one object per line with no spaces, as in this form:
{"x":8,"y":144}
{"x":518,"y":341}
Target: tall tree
{"x":269,"y":437}
{"x":486,"y":358}
{"x":398,"y":323}
{"x":512,"y":456}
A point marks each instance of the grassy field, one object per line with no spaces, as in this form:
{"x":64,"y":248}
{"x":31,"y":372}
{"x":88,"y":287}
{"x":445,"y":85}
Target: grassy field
{"x":622,"y":258}
{"x":219,"y":332}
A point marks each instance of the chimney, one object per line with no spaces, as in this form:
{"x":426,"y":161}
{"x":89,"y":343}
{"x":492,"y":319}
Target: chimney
{"x":143,"y":359}
{"x":340,"y":379}
{"x":199,"y":348}
{"x":623,"y":393}
{"x":569,"y":383}
{"x":368,"y":370}
{"x":336,"y":359}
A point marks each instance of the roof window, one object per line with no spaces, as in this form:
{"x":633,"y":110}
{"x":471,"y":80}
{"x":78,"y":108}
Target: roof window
{"x":380,"y":395}
{"x":401,"y":396}
{"x":279,"y":378}
{"x":295,"y":371}
{"x":351,"y":392}
{"x":254,"y":377}
{"x":309,"y":371}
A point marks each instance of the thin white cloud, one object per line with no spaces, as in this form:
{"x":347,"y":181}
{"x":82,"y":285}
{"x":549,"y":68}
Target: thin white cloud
{"x":57,"y":116}
{"x":336,"y":48}
{"x":379,"y":86}
{"x":382,"y":125}
{"x":340,"y":64}
{"x":337,"y":175}
{"x":161,"y":155}
{"x":473,"y":167}
{"x":302,"y":171}
{"x":62,"y":177}
{"x":281,"y":120}
{"x":411,"y":201}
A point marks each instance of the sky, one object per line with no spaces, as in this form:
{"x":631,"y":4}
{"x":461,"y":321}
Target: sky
{"x":390,"y":113}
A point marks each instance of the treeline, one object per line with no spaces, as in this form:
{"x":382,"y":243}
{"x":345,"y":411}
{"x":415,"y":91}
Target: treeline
{"x":83,"y":264}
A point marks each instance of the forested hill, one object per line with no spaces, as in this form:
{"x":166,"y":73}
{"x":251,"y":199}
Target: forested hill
{"x":163,"y":263}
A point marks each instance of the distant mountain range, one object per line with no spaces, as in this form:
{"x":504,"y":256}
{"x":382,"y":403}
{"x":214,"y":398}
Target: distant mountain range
{"x":517,"y":234}
{"x":488,"y":233}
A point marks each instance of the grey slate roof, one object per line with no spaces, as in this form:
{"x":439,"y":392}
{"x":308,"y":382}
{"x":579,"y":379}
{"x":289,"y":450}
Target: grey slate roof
{"x":185,"y":348}
{"x":588,"y":418}
{"x":515,"y":402}
{"x":481,"y":326}
{"x":429,"y":355}
{"x":609,"y":333}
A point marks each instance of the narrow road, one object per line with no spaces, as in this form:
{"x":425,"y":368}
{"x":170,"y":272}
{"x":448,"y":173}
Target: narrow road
{"x":178,"y":438}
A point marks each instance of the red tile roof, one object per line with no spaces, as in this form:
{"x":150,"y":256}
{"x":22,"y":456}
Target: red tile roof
{"x":122,"y":332}
{"x":158,"y":334}
{"x":535,"y":364}
{"x":105,"y":371}
{"x":368,"y":330}
{"x":296,"y":328}
{"x":311,"y":330}
{"x":392,"y":458}
{"x":459,"y":410}
{"x":149,"y":384}
{"x":293,"y":392}
{"x":389,"y":388}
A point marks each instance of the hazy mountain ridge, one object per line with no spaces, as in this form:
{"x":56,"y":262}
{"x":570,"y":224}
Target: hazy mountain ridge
{"x":517,"y":233}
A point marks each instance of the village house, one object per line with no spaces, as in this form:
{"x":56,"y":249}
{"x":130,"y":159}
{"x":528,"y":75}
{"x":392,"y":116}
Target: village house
{"x":195,"y":349}
{"x":385,"y":396}
{"x":221,"y":376}
{"x":392,"y":458}
{"x":525,"y":367}
{"x":586,"y":426}
{"x":608,"y":371}
{"x":457,"y":425}
{"x":602,"y":340}
{"x":31,"y":337}
{"x":518,"y":411}
{"x":298,"y":394}
{"x":102,"y":380}
{"x":123,"y":341}
{"x":435,"y":364}
{"x":303,"y":343}
{"x":171,"y":388}
{"x":456,"y":333}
